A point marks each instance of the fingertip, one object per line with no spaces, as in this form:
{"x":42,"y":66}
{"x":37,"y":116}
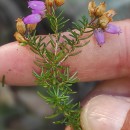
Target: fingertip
{"x":104,"y":112}
{"x":17,"y":63}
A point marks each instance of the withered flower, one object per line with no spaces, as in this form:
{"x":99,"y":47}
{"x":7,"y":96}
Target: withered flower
{"x":59,"y":2}
{"x":103,"y":21}
{"x":100,"y":10}
{"x":31,"y":27}
{"x":49,"y":3}
{"x":110,"y":13}
{"x":20,"y":26}
{"x":106,"y":18}
{"x":19,"y":38}
{"x":91,"y":8}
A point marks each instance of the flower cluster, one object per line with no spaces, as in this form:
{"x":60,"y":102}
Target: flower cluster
{"x":101,"y":21}
{"x":22,"y":30}
{"x":38,"y":12}
{"x":28,"y":24}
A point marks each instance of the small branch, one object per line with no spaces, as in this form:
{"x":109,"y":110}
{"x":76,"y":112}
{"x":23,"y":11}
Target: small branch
{"x":63,"y":59}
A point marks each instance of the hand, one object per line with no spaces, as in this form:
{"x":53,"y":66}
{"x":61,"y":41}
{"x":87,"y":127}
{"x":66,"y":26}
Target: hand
{"x":107,"y":107}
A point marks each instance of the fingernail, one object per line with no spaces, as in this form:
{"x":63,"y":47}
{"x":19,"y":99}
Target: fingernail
{"x":105,"y":112}
{"x":126,"y":125}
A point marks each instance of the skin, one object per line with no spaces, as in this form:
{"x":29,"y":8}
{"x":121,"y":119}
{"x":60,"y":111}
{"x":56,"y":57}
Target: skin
{"x":110,"y":63}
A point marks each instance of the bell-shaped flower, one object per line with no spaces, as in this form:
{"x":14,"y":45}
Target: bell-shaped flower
{"x":32,"y":19}
{"x":36,"y":5}
{"x":99,"y":35}
{"x":38,"y":12}
{"x":41,"y":12}
{"x":113,"y":29}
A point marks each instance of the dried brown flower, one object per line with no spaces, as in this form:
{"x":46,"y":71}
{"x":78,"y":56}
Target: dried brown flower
{"x":100,"y":10}
{"x":20,"y":26}
{"x":49,"y":3}
{"x":31,"y":27}
{"x":19,"y":38}
{"x":59,"y":2}
{"x":91,"y":8}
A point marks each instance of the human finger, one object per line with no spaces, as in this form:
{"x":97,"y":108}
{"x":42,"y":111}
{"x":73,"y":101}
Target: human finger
{"x":94,"y":63}
{"x":108,"y":106}
{"x":105,"y":112}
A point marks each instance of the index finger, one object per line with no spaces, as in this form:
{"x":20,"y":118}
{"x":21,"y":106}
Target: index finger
{"x":94,"y":63}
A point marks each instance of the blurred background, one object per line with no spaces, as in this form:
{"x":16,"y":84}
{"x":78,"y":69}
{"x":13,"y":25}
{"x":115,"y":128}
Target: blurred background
{"x":20,"y":107}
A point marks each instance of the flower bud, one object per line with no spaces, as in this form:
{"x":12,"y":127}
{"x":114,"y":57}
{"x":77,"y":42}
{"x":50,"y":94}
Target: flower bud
{"x":104,"y":20}
{"x":31,"y":27}
{"x":59,"y":2}
{"x":19,"y":38}
{"x":49,"y":3}
{"x":20,"y":26}
{"x":100,"y":9}
{"x":91,"y":8}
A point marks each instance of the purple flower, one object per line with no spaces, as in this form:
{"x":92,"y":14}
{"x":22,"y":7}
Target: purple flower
{"x":38,"y":12}
{"x":99,"y":35}
{"x":36,"y":5}
{"x":113,"y":29}
{"x":99,"y":32}
{"x":41,"y":12}
{"x":32,"y":19}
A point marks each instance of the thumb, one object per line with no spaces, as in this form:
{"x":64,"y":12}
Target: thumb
{"x":105,"y":112}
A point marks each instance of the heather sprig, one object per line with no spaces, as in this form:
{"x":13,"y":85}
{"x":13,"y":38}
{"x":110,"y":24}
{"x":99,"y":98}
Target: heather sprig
{"x":55,"y":78}
{"x":101,"y":21}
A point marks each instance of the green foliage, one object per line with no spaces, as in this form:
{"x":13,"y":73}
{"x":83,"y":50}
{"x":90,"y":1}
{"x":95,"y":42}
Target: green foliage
{"x":55,"y":77}
{"x":57,"y":23}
